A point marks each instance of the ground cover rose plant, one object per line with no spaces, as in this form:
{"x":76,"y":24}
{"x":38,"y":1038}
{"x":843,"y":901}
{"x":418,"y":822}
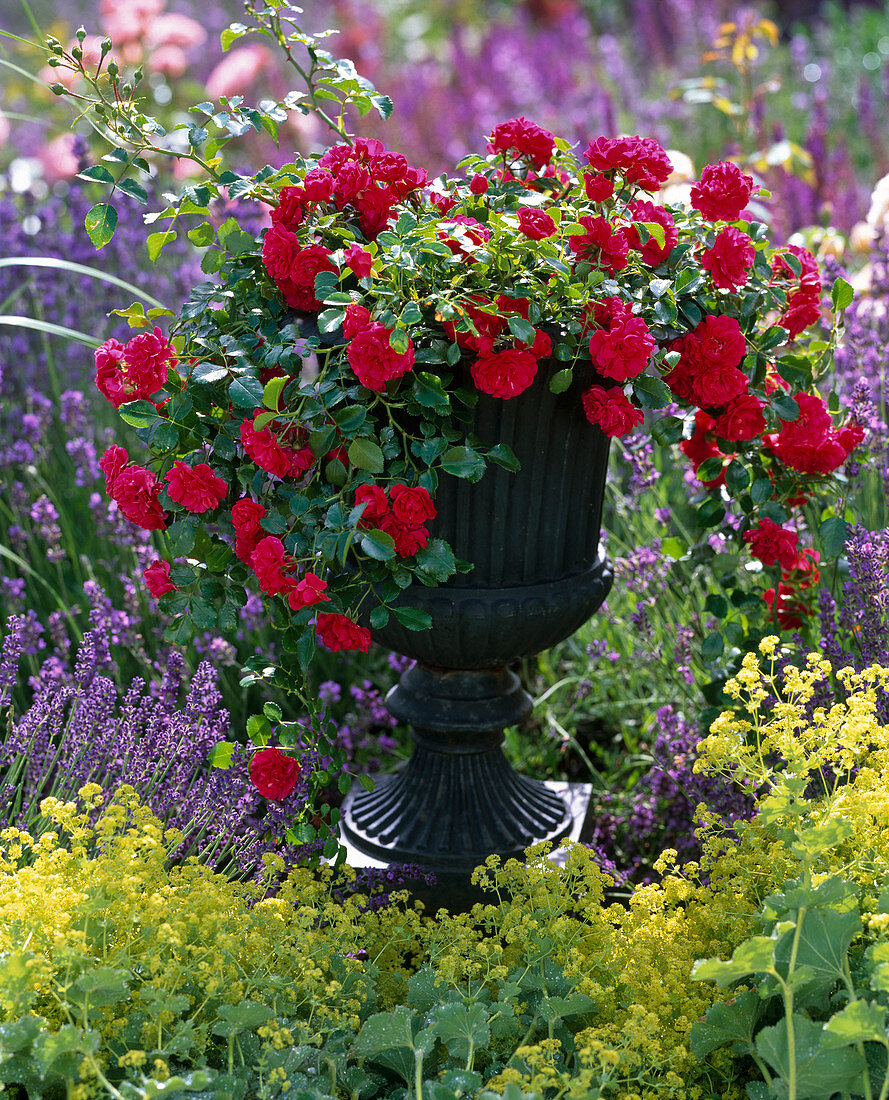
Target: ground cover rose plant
{"x":312,"y":393}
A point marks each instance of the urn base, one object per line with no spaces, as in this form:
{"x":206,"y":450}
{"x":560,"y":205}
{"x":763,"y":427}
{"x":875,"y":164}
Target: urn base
{"x":458,"y":799}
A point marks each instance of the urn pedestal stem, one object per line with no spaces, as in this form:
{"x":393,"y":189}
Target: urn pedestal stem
{"x":457,"y":799}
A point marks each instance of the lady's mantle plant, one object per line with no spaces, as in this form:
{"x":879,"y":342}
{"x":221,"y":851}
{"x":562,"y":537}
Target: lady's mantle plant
{"x":314,"y":391}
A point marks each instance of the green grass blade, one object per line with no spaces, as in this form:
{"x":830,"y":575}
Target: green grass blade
{"x":35,"y":26}
{"x":51,"y":329}
{"x":16,"y":38}
{"x":58,"y":264}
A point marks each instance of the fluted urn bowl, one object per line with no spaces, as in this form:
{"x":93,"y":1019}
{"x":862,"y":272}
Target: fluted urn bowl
{"x":538,"y":575}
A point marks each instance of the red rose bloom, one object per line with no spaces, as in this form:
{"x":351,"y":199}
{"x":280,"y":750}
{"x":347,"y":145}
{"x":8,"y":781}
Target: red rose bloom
{"x":479,"y":184}
{"x":373,"y":359}
{"x":803,"y":306}
{"x":357,"y":319}
{"x":723,"y":192}
{"x":411,"y":505}
{"x":464,"y":242}
{"x":135,"y":491}
{"x":623,"y":350}
{"x":246,"y":514}
{"x":350,"y":181}
{"x":524,"y":138}
{"x":157,"y":578}
{"x":308,"y":592}
{"x":111,"y":463}
{"x":280,"y":248}
{"x":318,"y":186}
{"x":271,"y":563}
{"x":601,"y":243}
{"x":273,"y":774}
{"x":376,"y":504}
{"x":340,"y":632}
{"x":742,"y":419}
{"x":611,"y":410}
{"x":809,"y":444}
{"x":719,"y":341}
{"x":535,"y":223}
{"x":359,"y":260}
{"x":802,"y":311}
{"x":294,"y":268}
{"x":487,"y":324}
{"x":850,"y":436}
{"x":701,"y":446}
{"x":196,"y":488}
{"x":730,"y":259}
{"x":804,"y":573}
{"x":791,"y":611}
{"x":707,"y":373}
{"x":598,"y":188}
{"x":264,"y":449}
{"x":408,"y":540}
{"x":374,"y":208}
{"x":718,"y":385}
{"x":651,"y":252}
{"x":640,"y":160}
{"x":136,"y":371}
{"x":289,"y":211}
{"x":772,"y":544}
{"x":504,"y":374}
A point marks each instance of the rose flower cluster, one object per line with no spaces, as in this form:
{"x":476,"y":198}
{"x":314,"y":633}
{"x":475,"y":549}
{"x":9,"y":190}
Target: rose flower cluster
{"x":415,"y":297}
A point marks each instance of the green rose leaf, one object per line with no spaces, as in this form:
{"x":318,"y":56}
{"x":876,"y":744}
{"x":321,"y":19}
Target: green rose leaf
{"x":656,"y":230}
{"x":364,"y":454}
{"x":429,"y":391}
{"x":561,"y":381}
{"x":379,"y":617}
{"x":841,"y":294}
{"x":350,"y":418}
{"x":463,"y":462}
{"x":271,"y":394}
{"x":522,"y":330}
{"x":246,"y":392}
{"x":155,"y":242}
{"x":832,"y":533}
{"x":96,"y":173}
{"x":761,"y":490}
{"x":377,"y":545}
{"x":139,"y":414}
{"x":651,"y":392}
{"x":413,"y":618}
{"x":435,"y":562}
{"x":505,"y":457}
{"x":180,"y":538}
{"x":785,"y":406}
{"x":100,"y":223}
{"x":667,"y":430}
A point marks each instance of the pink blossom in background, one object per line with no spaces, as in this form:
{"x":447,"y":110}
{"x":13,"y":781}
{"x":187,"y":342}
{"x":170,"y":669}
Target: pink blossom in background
{"x":4,"y":130}
{"x":128,"y":21}
{"x":173,"y":29}
{"x":169,"y":60}
{"x":237,"y":71}
{"x":58,"y":159}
